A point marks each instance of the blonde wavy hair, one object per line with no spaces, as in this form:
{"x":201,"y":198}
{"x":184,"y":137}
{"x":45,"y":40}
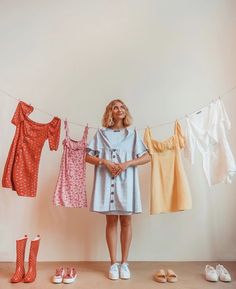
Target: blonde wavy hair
{"x":107,"y":120}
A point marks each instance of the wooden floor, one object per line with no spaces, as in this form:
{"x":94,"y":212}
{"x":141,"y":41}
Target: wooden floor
{"x":93,"y":275}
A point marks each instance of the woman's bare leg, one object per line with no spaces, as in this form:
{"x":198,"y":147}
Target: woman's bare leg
{"x":111,"y":236}
{"x":125,"y":236}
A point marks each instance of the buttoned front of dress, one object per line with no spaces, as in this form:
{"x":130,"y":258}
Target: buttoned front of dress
{"x":120,"y":194}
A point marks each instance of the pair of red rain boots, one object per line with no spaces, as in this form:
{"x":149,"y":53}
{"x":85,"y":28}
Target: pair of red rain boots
{"x":19,"y":274}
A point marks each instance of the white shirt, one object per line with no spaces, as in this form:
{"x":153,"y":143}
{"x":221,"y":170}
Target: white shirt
{"x":206,"y":131}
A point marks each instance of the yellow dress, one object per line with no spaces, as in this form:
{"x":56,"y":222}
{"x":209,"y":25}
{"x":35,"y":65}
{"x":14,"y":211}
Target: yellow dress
{"x":170,"y":190}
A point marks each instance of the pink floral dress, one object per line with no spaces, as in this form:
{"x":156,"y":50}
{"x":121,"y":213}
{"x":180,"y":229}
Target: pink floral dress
{"x":71,"y":185}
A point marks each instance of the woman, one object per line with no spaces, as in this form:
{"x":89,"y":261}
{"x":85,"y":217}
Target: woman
{"x":116,"y":150}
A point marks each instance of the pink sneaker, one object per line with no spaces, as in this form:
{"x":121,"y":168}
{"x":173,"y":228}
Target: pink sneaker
{"x":70,"y":276}
{"x":59,"y":275}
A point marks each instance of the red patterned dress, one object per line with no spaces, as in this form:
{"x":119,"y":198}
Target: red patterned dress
{"x":21,"y":168}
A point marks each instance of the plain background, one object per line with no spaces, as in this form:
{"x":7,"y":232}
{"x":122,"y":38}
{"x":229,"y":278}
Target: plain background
{"x":163,"y":59}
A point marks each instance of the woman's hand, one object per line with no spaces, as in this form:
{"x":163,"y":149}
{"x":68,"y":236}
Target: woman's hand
{"x":122,"y":167}
{"x":113,"y":168}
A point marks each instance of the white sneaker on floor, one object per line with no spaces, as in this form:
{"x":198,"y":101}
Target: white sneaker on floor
{"x":223,"y":273}
{"x":114,"y":271}
{"x":211,"y":274}
{"x":124,"y":271}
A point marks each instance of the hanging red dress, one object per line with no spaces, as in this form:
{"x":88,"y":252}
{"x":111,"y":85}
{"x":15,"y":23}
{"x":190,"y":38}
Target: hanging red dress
{"x":22,"y":165}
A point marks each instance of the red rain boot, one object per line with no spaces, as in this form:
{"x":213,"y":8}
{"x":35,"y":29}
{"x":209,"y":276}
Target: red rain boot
{"x":31,"y":274}
{"x":20,"y":257}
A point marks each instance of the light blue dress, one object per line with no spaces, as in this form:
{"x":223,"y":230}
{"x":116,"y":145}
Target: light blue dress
{"x":116,"y":195}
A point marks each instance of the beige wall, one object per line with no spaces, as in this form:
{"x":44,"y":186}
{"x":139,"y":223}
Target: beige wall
{"x":164,"y":59}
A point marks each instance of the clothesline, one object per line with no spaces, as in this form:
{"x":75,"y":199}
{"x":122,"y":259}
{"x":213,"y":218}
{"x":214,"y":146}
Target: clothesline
{"x":180,"y":118}
{"x":95,"y":127}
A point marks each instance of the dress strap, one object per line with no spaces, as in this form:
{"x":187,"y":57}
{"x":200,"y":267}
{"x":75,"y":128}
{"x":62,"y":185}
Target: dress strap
{"x":177,"y":126}
{"x":66,"y":127}
{"x":149,"y":132}
{"x":179,"y":134}
{"x":148,"y":139}
{"x":85,"y":133}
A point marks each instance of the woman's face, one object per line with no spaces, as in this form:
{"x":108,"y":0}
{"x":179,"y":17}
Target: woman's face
{"x":118,"y":111}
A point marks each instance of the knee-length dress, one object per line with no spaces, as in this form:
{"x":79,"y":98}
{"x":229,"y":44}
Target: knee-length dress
{"x":22,"y":165}
{"x":71,"y":185}
{"x":118,"y":195}
{"x":170,"y":190}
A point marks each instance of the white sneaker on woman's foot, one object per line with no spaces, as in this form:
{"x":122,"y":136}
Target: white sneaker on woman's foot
{"x":124,"y":271}
{"x":114,"y":271}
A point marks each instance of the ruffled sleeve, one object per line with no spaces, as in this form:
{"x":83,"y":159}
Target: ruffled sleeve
{"x":93,"y":146}
{"x":22,"y":110}
{"x":139,"y":146}
{"x":54,"y":133}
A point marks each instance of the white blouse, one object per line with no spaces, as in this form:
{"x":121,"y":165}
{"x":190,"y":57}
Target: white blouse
{"x":206,"y":131}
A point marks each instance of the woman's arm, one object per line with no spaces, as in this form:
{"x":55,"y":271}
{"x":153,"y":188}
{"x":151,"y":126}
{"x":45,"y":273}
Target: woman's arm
{"x":113,"y":168}
{"x":93,"y":160}
{"x":145,"y":158}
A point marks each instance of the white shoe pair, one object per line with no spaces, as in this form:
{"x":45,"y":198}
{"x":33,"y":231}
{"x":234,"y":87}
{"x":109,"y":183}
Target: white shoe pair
{"x":220,"y":273}
{"x":66,"y":278}
{"x":119,"y":271}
